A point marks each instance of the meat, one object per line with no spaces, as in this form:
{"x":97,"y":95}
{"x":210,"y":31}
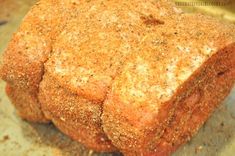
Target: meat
{"x":136,"y":76}
{"x":146,"y":94}
{"x":74,"y":115}
{"x":30,"y":47}
{"x":27,"y":104}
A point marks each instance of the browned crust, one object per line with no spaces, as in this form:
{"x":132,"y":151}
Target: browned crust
{"x":73,"y":115}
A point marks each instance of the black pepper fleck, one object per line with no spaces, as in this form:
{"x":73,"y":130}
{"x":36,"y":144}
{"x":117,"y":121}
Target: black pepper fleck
{"x":150,"y":20}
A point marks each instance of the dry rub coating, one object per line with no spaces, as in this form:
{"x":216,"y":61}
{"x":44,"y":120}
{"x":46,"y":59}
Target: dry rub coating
{"x":195,"y":107}
{"x":75,"y":116}
{"x":105,"y":34}
{"x":139,"y":76}
{"x":26,"y":104}
{"x":30,"y":47}
{"x":144,"y":96}
{"x":88,"y":66}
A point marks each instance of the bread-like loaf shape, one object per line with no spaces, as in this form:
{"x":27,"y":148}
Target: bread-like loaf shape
{"x":30,"y":47}
{"x":196,"y":107}
{"x":165,"y":92}
{"x":77,"y":117}
{"x":101,"y":40}
{"x":26,"y":103}
{"x":138,"y":76}
{"x":88,"y":66}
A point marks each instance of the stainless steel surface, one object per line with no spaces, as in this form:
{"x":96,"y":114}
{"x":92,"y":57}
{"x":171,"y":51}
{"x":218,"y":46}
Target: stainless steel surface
{"x":21,"y":138}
